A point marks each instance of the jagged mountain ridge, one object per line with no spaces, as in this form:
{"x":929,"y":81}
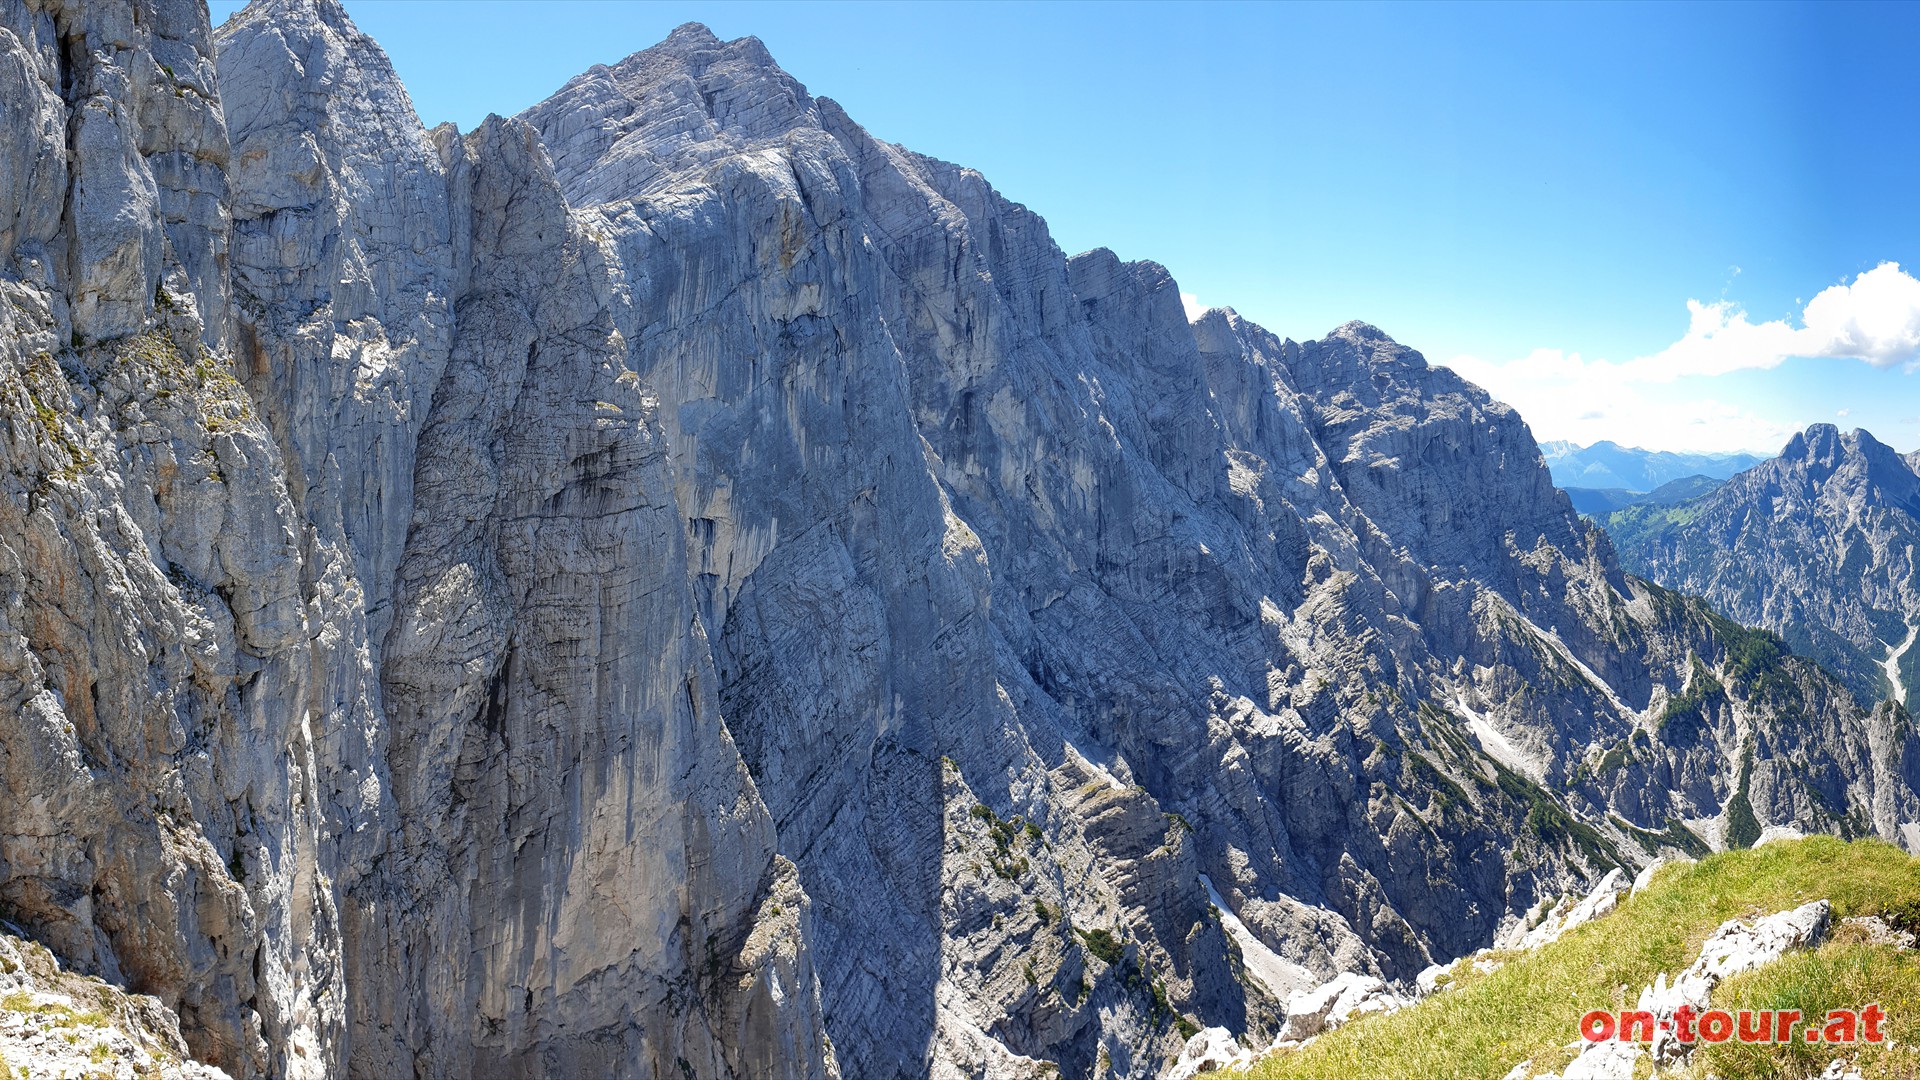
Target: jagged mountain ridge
{"x":524,"y":543}
{"x":1816,"y":544}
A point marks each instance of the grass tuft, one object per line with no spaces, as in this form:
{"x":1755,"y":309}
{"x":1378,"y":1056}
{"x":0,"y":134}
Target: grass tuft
{"x":1834,"y":976}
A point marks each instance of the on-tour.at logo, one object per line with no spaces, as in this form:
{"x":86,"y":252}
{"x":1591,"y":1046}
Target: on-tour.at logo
{"x":1748,"y":1026}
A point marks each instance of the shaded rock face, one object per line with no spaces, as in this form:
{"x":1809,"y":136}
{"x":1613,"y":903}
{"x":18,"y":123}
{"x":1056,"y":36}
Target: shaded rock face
{"x":574,"y":874}
{"x":1816,"y":545}
{"x":561,"y":775}
{"x":673,"y":585}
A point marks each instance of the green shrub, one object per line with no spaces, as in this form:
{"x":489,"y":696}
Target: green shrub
{"x":1102,"y":944}
{"x":1743,"y":829}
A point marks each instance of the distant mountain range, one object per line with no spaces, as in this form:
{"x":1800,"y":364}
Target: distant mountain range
{"x":1817,"y":545}
{"x":1608,"y":465}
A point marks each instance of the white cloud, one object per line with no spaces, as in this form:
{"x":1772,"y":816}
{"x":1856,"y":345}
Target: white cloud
{"x":1844,"y":413}
{"x":1875,"y":319}
{"x":1194,"y":307}
{"x":1563,"y":396}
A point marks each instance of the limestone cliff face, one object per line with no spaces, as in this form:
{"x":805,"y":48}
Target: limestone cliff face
{"x":584,"y":857}
{"x":522,"y":844}
{"x":673,"y":585}
{"x":155,"y":646}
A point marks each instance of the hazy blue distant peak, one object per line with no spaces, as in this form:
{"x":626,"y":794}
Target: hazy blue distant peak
{"x":1608,"y":465}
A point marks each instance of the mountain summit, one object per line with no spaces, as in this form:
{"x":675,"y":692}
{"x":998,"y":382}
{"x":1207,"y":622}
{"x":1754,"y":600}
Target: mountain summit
{"x":1816,"y":544}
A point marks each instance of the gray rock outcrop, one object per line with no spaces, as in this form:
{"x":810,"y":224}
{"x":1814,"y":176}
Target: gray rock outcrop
{"x":155,"y":650}
{"x":1325,"y":1008}
{"x":1567,"y":913}
{"x":58,"y":1024}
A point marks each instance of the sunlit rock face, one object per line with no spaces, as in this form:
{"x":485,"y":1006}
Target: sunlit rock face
{"x":574,"y":874}
{"x":672,"y":585}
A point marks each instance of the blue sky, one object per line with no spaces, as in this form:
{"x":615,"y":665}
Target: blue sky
{"x":1533,"y":193}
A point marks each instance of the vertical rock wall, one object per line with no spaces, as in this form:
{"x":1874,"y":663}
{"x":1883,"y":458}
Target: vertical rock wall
{"x":161,"y":751}
{"x":524,"y":844}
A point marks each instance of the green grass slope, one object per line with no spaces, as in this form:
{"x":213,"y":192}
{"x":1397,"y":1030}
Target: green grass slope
{"x":1530,"y":1007}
